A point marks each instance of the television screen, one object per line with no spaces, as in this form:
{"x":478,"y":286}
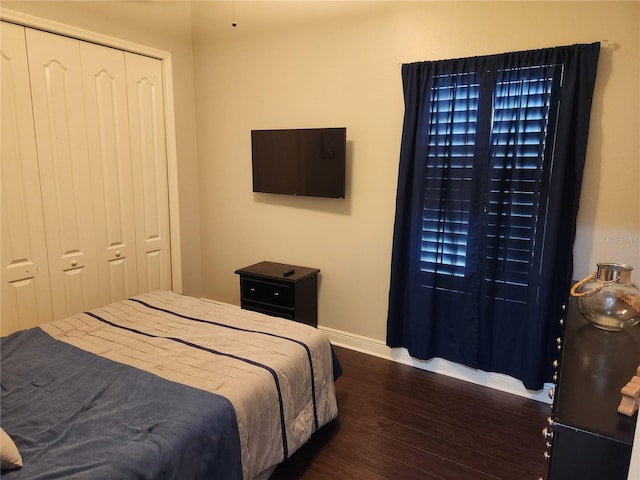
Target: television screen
{"x":306,"y":161}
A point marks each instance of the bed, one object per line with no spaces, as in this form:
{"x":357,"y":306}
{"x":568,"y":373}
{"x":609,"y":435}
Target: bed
{"x":164,"y":386}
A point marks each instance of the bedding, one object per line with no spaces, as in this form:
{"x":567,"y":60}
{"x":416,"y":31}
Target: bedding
{"x":9,"y":455}
{"x":164,"y":386}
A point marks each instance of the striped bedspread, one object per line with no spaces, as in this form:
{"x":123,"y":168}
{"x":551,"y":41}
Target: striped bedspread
{"x":277,"y":374}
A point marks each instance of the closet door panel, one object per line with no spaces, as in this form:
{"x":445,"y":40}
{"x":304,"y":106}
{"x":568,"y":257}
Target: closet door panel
{"x":105,"y":90}
{"x":61,"y":136}
{"x":149,"y":167}
{"x":25,"y":277}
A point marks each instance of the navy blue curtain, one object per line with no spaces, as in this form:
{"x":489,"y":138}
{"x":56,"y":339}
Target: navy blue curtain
{"x":490,"y":170}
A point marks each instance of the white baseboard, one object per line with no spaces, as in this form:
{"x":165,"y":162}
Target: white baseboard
{"x":377,"y":348}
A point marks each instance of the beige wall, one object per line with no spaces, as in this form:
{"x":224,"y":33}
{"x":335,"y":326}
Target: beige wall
{"x":163,"y":26}
{"x":315,"y":64}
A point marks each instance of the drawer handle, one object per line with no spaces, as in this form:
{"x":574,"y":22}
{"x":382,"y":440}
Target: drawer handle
{"x":550,"y":393}
{"x":252,"y":289}
{"x":276,"y":294}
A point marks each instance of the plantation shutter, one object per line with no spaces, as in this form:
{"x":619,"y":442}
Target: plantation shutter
{"x":452,"y":121}
{"x":514,"y":148}
{"x":521,"y":116}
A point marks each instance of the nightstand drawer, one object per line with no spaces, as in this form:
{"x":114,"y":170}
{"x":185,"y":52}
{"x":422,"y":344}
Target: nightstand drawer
{"x":270,"y":309}
{"x":276,"y":294}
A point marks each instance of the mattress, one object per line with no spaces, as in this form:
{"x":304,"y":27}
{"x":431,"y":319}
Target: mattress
{"x":208,"y":390}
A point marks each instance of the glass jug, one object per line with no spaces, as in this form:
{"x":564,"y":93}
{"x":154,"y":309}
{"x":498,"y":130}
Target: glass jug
{"x":608,"y":298}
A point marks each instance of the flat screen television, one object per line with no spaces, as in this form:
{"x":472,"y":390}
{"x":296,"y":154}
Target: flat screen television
{"x":303,"y":161}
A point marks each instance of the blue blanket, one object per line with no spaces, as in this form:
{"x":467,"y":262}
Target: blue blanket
{"x":73,"y":414}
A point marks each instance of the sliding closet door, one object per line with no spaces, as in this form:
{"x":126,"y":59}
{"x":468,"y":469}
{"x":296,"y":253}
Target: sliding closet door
{"x":26,"y":300}
{"x":105,"y":93}
{"x":61,"y":138}
{"x":149,"y":167}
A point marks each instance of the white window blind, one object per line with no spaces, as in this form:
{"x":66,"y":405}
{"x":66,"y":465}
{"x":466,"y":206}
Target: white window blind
{"x":508,"y":160}
{"x":452,"y":122}
{"x":520,"y":120}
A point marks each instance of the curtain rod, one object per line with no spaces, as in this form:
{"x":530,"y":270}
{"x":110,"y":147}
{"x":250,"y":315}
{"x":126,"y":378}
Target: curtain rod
{"x":603,"y":44}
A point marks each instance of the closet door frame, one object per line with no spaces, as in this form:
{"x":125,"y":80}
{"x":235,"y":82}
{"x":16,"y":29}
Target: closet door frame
{"x":26,"y":20}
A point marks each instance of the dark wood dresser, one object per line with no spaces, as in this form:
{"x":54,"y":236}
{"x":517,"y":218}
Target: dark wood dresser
{"x":281,"y":290}
{"x":587,"y":438}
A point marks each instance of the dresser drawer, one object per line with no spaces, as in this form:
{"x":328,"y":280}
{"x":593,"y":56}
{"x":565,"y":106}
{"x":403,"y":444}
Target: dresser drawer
{"x":277,"y":294}
{"x":589,"y":439}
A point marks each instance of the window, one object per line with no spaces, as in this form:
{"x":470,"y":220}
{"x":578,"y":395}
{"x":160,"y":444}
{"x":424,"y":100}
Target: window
{"x":491,"y":162}
{"x":501,"y":150}
{"x":452,"y":121}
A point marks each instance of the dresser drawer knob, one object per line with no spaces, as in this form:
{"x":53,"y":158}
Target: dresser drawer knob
{"x":547,"y":455}
{"x":276,"y":294}
{"x":547,"y":434}
{"x":550,"y":393}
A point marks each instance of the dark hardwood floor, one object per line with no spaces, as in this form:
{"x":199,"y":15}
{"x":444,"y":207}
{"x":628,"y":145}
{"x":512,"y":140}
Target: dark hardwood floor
{"x":399,"y":422}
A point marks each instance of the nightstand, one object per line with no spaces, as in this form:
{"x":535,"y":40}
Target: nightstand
{"x":281,"y":290}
